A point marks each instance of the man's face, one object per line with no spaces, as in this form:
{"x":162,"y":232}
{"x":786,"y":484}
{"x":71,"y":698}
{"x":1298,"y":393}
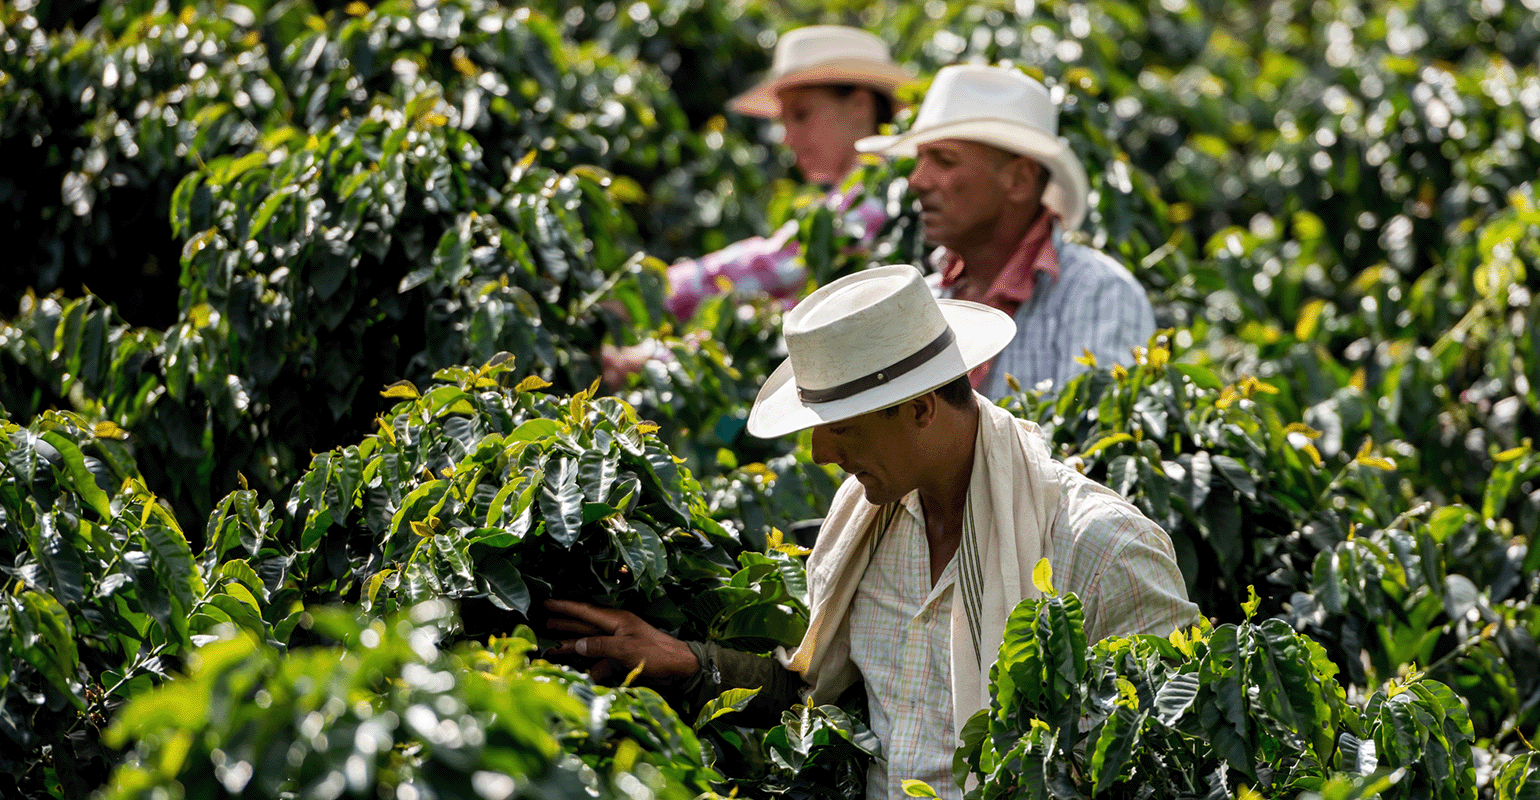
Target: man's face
{"x":961,"y":191}
{"x":877,"y":449}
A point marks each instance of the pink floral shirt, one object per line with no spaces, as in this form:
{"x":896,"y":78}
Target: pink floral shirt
{"x":769,"y":264}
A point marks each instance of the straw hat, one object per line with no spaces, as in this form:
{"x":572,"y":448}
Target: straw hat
{"x":872,"y":340}
{"x":822,"y":55}
{"x":1003,"y":108}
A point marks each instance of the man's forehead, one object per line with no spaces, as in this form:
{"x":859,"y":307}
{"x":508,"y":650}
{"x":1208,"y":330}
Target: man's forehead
{"x":965,"y":148}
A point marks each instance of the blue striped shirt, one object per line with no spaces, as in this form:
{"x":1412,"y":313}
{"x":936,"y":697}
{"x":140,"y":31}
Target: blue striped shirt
{"x":1095,"y":304}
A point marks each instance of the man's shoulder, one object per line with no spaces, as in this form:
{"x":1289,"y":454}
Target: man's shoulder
{"x":1092,"y":515}
{"x":1086,"y":262}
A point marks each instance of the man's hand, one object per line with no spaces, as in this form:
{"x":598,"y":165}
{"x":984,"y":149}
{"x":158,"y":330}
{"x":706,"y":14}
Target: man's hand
{"x":617,"y":641}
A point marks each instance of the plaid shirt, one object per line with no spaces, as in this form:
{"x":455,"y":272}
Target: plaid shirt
{"x":900,"y":625}
{"x":764,"y":264}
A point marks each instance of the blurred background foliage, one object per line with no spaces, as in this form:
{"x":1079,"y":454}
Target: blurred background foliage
{"x":230,"y":225}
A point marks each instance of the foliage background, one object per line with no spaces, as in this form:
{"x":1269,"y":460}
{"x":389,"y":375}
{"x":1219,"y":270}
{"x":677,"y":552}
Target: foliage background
{"x":230,"y":225}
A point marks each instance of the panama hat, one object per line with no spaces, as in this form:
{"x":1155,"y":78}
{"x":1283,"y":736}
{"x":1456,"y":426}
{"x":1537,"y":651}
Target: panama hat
{"x":822,"y":55}
{"x":1003,"y":108}
{"x":868,"y":341}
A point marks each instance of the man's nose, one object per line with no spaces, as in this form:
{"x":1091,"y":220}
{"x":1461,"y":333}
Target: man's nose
{"x":823,"y":450}
{"x":919,"y":178}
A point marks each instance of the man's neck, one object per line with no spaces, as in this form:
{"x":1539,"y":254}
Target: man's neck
{"x":984,"y":261}
{"x":944,"y":498}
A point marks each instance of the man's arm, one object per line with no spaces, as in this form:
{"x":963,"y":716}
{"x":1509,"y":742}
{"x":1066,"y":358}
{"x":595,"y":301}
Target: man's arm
{"x":1109,"y":317}
{"x":691,"y":674}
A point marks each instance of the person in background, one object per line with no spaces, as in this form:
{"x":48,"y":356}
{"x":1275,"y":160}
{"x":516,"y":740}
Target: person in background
{"x":998,"y":188}
{"x":828,"y":86}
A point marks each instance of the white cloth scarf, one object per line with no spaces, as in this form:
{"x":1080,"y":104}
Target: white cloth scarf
{"x":1013,"y":498}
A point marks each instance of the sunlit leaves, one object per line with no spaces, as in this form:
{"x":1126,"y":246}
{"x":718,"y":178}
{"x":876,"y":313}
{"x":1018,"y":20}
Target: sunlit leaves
{"x":398,"y":709}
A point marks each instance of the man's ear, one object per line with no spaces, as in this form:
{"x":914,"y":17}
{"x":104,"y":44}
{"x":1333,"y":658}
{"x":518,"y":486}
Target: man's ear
{"x":1022,"y":177}
{"x":924,"y":408}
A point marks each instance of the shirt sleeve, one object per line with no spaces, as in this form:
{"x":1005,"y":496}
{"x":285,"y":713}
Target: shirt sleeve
{"x":1139,"y":591}
{"x":772,"y":265}
{"x":723,"y":669}
{"x":1112,"y":320}
{"x":758,"y":264}
{"x":1120,"y":563}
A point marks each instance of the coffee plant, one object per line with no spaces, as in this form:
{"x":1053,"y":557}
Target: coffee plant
{"x":302,"y":307}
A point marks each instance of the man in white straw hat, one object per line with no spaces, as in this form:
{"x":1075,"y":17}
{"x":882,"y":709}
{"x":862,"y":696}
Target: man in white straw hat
{"x":997,"y":188}
{"x":949,"y":504}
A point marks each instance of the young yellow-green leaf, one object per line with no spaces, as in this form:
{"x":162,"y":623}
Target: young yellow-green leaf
{"x":1512,"y":453}
{"x":1302,"y":429}
{"x":725,"y":703}
{"x":532,"y":383}
{"x":1309,"y":317}
{"x":1368,"y":459}
{"x":1179,"y":641}
{"x":1087,"y":358}
{"x":401,"y":389}
{"x":776,"y":541}
{"x":372,"y":586}
{"x":109,"y":430}
{"x":1042,"y":578}
{"x":1105,"y":442}
{"x":1128,"y":696}
{"x":1252,"y":602}
{"x":422,"y":529}
{"x":915,"y":788}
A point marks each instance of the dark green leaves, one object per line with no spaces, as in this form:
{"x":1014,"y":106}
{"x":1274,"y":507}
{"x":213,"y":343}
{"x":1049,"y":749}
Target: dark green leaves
{"x":1252,"y":704}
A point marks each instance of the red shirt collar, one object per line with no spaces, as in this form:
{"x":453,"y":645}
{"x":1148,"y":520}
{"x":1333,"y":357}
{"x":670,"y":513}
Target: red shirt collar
{"x":1014,"y":285}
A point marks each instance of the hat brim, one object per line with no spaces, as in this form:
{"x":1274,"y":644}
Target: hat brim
{"x":981,"y":333}
{"x":762,"y":100}
{"x":1068,"y":187}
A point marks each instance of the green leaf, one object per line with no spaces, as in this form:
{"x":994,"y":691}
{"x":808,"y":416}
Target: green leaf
{"x":1357,"y":756}
{"x":561,"y":501}
{"x":242,"y":573}
{"x":1238,"y":475}
{"x":1201,"y":377}
{"x":728,"y":702}
{"x":1123,"y":475}
{"x":173,"y":561}
{"x":268,"y":208}
{"x":59,"y":559}
{"x":597,"y":470}
{"x":1175,"y":697}
{"x":79,"y":476}
{"x":1105,"y":442}
{"x":1200,"y":476}
{"x":1113,"y":745}
{"x":918,"y":788}
{"x":50,"y":648}
{"x":504,"y":583}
